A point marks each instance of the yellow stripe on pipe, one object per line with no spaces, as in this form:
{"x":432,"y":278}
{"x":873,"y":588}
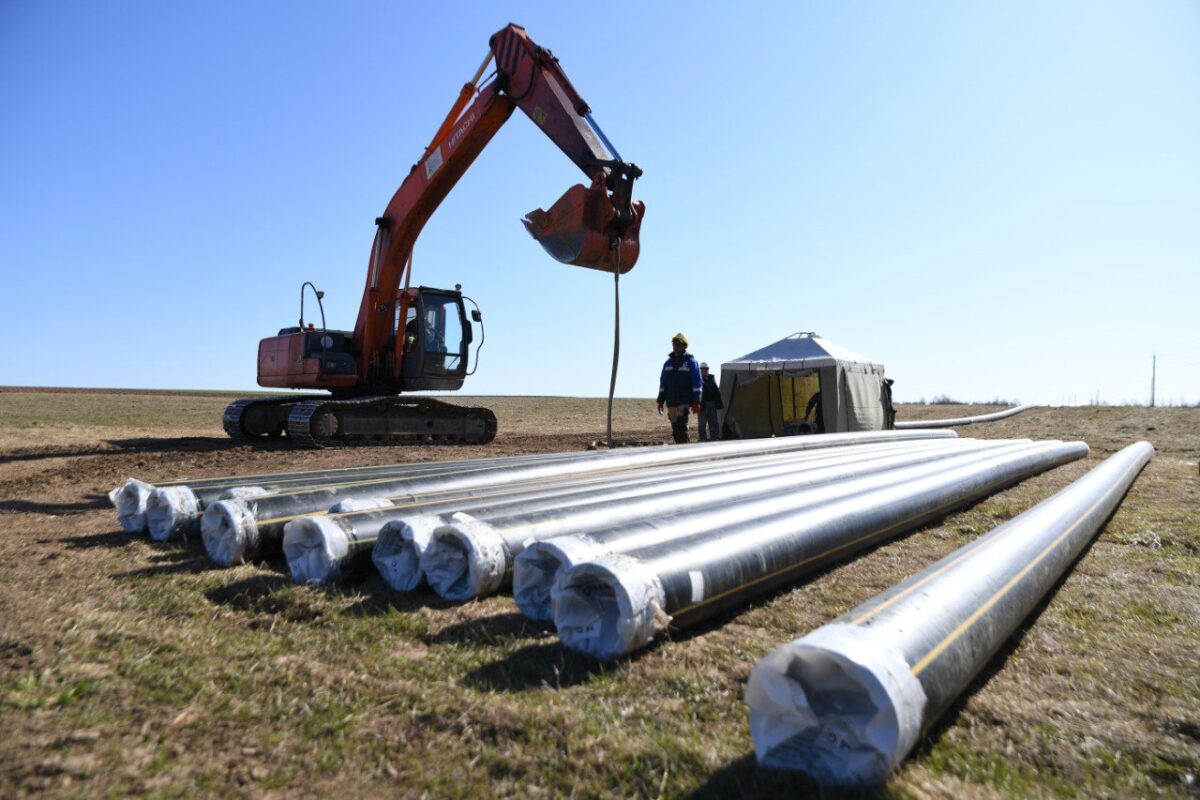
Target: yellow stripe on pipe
{"x":954,"y":635}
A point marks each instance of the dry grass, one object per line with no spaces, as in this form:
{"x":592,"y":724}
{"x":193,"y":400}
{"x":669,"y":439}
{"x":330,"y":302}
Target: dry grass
{"x":132,"y":667}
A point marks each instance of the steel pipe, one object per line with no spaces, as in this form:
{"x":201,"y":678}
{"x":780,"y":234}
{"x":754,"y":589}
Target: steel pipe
{"x":543,"y":558}
{"x":173,"y":508}
{"x":397,"y":535}
{"x":399,"y":554}
{"x":612,"y":605}
{"x":847,"y":702}
{"x":242,"y":527}
{"x":948,"y":423}
{"x":473,"y":553}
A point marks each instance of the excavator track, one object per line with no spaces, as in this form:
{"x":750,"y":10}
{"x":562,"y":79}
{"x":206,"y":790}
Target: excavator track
{"x":325,"y":422}
{"x":260,"y":417}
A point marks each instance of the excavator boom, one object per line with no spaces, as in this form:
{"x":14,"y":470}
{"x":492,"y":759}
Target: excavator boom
{"x":596,"y":227}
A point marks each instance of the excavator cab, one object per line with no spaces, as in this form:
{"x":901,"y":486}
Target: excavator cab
{"x":434,"y":339}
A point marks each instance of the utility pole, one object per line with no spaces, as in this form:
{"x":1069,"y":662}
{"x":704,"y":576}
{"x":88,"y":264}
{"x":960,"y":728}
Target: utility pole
{"x":1153,"y":375}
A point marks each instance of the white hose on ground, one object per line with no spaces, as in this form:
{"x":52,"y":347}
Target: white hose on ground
{"x":957,"y":421}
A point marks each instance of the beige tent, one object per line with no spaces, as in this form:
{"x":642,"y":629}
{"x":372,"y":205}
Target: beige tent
{"x":803,"y":384}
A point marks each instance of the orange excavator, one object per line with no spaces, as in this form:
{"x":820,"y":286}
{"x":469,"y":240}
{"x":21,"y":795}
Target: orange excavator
{"x":409,"y":338}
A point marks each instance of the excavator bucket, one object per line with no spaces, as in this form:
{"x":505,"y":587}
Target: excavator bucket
{"x":580,"y":227}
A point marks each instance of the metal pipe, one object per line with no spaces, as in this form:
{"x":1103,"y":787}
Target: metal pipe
{"x":947,"y":423}
{"x":473,"y":553}
{"x":541,"y":560}
{"x":612,"y":605}
{"x":173,"y":508}
{"x":545,"y":547}
{"x":242,"y":527}
{"x":400,"y":550}
{"x":847,"y":702}
{"x":399,"y":545}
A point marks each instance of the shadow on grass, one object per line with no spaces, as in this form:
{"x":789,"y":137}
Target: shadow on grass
{"x":248,"y":594}
{"x":88,"y":541}
{"x":534,"y":667}
{"x":171,"y":560}
{"x":743,"y":777}
{"x":152,"y":444}
{"x":94,"y":502}
{"x":491,"y":630}
{"x":376,"y":598}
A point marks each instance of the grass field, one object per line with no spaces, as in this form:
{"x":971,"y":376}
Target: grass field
{"x":132,"y":667}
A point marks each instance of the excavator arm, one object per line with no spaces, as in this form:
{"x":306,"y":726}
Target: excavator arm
{"x":596,"y":226}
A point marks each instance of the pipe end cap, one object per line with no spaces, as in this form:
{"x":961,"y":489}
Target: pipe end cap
{"x":171,"y":511}
{"x":315,"y":548}
{"x":397,"y":551}
{"x":129,"y":499}
{"x":537,"y":567}
{"x":836,"y":706}
{"x":229,"y":531}
{"x":608,"y":607}
{"x":465,"y":559}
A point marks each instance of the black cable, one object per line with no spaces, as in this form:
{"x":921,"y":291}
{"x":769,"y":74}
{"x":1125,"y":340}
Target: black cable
{"x":612,"y":383}
{"x":482,"y":335}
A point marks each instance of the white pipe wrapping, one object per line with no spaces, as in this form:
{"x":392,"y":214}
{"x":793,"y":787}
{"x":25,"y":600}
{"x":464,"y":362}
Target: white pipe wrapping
{"x":847,"y":702}
{"x":473,"y":553}
{"x":322,"y":549}
{"x":397,"y":553}
{"x":724,"y":566}
{"x":923,"y":424}
{"x":173,"y":511}
{"x":129,"y":499}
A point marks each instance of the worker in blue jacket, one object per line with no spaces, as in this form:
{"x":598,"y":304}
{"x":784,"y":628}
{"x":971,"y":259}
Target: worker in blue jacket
{"x":679,"y":387}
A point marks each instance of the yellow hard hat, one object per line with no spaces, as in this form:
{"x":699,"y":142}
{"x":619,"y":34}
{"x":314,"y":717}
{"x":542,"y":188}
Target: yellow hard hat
{"x":680,"y":338}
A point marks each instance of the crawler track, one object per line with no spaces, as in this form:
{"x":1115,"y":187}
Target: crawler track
{"x":323,"y":421}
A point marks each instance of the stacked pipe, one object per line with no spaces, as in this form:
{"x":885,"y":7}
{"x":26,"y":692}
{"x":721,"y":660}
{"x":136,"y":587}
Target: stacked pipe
{"x":474,"y":553}
{"x":696,"y":563}
{"x":241,"y":528}
{"x":847,"y":702}
{"x":321,"y":547}
{"x":173,"y":508}
{"x":461,"y":566}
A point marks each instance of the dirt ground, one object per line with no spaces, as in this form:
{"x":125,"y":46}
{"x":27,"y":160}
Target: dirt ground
{"x":128,"y":666}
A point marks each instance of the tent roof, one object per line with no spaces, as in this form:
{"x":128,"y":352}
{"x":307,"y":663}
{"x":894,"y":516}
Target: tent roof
{"x":800,"y":351}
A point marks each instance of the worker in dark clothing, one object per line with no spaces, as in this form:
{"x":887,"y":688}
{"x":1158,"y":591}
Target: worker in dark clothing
{"x":679,"y":387}
{"x":814,"y":404}
{"x":710,"y":404}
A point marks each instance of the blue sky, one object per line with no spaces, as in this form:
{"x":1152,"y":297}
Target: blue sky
{"x":991,"y":199}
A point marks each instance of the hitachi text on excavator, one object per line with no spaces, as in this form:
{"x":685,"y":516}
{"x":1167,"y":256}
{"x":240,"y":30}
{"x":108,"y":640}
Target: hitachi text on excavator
{"x":410,"y":339}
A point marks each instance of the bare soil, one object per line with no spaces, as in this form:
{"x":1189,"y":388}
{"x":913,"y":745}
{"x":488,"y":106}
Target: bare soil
{"x":132,"y":667}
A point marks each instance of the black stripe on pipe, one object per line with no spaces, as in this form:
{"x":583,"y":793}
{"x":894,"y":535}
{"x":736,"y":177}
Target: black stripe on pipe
{"x":900,"y":659}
